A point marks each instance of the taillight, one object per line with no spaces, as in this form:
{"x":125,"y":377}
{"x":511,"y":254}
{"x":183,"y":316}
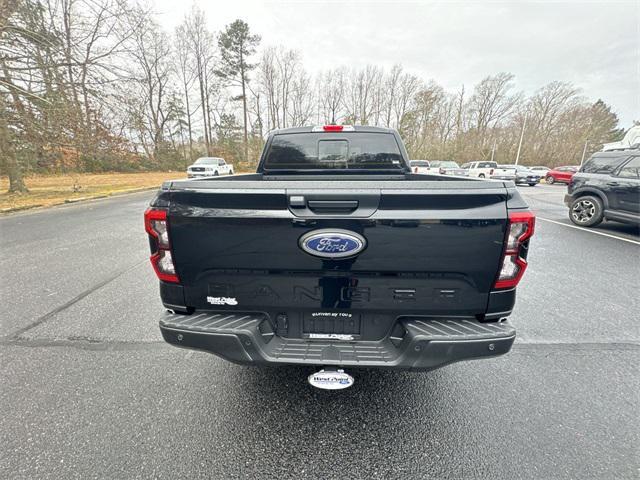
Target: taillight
{"x":519,"y":229}
{"x":415,"y":170}
{"x":442,"y":171}
{"x":157,"y":226}
{"x":491,"y":172}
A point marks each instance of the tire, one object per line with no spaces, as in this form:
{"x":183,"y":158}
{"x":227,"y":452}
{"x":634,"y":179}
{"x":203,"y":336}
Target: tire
{"x":231,"y":172}
{"x":550,"y":180}
{"x":586,"y":211}
{"x":481,"y":175}
{"x":215,"y":174}
{"x":532,"y":184}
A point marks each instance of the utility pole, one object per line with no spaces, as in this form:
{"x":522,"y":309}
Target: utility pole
{"x":584,"y":151}
{"x":493,"y":150}
{"x":524,"y":124}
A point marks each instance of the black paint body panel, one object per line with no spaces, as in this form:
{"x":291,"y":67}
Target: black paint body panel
{"x":433,"y":245}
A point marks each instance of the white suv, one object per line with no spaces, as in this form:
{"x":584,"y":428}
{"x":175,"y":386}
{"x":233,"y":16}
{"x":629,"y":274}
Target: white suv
{"x":209,"y":167}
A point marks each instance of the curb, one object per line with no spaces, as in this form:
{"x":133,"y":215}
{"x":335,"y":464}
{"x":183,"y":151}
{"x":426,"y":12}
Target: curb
{"x":81,"y":199}
{"x":76,"y":200}
{"x":19,"y":209}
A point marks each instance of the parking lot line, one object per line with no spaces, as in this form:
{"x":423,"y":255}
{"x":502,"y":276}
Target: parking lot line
{"x":588,"y":230}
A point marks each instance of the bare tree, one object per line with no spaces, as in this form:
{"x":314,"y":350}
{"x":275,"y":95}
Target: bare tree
{"x":302,"y":100}
{"x":58,"y":68}
{"x":269,"y":80}
{"x":200,"y":42}
{"x":331,"y":92}
{"x":286,"y":88}
{"x":186,"y":75}
{"x":491,"y":103}
{"x":360,"y":100}
{"x":408,"y":86}
{"x":151,"y":54}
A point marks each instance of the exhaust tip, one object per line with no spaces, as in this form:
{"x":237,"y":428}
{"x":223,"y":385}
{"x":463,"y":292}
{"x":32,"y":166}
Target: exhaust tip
{"x":331,"y":379}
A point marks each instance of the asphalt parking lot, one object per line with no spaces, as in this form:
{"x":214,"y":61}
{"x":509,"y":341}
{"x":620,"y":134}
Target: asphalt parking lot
{"x":89,"y":390}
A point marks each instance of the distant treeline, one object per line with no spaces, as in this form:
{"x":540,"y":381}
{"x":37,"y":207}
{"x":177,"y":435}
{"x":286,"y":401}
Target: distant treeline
{"x":97,"y":85}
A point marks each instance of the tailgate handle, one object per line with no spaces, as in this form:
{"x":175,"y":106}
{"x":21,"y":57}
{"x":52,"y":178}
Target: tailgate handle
{"x":345,"y":205}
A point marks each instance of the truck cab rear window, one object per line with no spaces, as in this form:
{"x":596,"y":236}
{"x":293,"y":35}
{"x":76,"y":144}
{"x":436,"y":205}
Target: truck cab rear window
{"x":317,"y":151}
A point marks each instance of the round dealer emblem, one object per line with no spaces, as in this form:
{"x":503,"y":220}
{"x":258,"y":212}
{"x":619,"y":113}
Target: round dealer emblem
{"x":331,"y":380}
{"x":332,"y":243}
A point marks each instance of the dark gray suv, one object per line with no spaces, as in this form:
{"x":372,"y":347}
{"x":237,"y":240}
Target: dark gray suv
{"x":607,"y":187}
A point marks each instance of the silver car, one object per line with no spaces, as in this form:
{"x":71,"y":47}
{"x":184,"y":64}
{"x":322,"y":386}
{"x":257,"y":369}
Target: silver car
{"x":540,"y":170}
{"x":446,"y":167}
{"x":524,"y":175}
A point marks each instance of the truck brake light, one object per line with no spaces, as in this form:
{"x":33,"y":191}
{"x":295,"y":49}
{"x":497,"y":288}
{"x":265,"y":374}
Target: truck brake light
{"x":157,"y":226}
{"x":520,"y":228}
{"x":334,"y":128}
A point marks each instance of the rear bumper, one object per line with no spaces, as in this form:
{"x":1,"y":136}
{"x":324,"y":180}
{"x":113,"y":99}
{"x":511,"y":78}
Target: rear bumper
{"x":529,"y":180}
{"x":420,"y":344}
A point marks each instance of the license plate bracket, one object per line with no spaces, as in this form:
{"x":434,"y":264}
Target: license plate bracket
{"x":328,"y":325}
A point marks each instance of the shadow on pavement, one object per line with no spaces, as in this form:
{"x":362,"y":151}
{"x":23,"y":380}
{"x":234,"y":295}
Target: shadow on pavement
{"x":619,"y":228}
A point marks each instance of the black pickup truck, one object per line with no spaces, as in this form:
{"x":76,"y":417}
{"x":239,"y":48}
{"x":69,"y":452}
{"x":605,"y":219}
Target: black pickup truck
{"x":335,"y":255}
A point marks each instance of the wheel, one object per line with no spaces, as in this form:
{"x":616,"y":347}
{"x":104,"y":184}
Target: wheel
{"x":481,"y":175}
{"x":550,"y":180}
{"x":532,"y":184}
{"x":586,"y":211}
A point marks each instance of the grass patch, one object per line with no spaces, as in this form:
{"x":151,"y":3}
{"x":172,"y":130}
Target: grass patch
{"x":48,"y":190}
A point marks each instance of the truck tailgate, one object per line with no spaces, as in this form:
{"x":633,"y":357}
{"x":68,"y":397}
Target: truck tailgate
{"x":432,"y":247}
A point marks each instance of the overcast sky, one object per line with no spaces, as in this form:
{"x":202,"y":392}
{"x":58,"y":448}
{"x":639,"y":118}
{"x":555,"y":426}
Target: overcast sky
{"x":595,"y":45}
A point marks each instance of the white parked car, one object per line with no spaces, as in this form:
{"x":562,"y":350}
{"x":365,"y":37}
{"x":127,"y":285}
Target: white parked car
{"x":419,"y":166}
{"x":209,"y":167}
{"x":480,"y":169}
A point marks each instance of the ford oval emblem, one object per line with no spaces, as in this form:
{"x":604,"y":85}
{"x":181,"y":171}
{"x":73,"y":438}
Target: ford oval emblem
{"x":332,"y":243}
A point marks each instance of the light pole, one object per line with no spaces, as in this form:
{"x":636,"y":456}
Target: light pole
{"x":584,"y":151}
{"x":524,"y":124}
